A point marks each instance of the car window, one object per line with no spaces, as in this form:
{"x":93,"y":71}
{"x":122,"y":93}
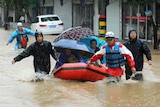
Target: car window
{"x":44,"y":19}
{"x":36,"y":20}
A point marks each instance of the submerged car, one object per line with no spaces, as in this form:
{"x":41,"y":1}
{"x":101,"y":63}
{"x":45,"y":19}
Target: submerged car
{"x":47,"y":24}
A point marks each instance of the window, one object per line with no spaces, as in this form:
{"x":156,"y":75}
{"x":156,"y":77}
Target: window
{"x":46,"y":10}
{"x":36,"y":20}
{"x":49,"y":19}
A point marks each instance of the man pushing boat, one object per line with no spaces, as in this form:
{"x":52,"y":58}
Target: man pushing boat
{"x":115,"y":53}
{"x":41,"y":51}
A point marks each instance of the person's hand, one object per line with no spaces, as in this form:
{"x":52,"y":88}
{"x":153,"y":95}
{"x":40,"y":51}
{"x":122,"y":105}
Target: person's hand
{"x":57,"y":60}
{"x":88,"y":62}
{"x":52,"y":72}
{"x":100,"y":65}
{"x":149,"y":62}
{"x":133,"y":70}
{"x":13,"y":61}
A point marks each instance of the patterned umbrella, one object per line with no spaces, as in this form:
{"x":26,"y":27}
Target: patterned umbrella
{"x":75,"y":33}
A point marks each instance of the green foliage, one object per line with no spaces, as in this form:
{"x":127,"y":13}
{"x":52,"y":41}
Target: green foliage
{"x":18,"y":3}
{"x":21,"y":6}
{"x":33,"y":3}
{"x":5,"y":3}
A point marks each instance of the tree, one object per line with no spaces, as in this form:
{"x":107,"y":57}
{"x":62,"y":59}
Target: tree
{"x":20,"y":5}
{"x":6,"y":4}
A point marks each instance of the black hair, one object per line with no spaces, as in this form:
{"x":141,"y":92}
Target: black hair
{"x":38,"y":33}
{"x":132,"y":30}
{"x":93,"y":40}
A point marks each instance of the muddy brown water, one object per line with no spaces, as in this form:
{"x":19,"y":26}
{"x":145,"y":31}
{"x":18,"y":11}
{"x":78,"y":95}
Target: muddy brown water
{"x":18,"y":90}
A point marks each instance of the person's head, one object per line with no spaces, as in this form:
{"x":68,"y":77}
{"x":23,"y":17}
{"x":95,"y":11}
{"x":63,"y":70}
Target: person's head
{"x":20,"y":26}
{"x":39,"y":37}
{"x":68,"y":51}
{"x":71,"y":59}
{"x":132,"y":34}
{"x":110,"y":38}
{"x":93,"y":44}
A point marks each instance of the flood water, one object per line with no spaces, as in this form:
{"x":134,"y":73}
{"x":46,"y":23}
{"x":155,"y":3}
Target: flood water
{"x":17,"y":88}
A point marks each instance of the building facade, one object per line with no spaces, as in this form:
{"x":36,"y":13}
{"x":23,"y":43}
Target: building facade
{"x":119,"y":16}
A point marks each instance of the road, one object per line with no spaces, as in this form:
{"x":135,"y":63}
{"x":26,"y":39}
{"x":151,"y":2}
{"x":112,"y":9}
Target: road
{"x":17,"y":90}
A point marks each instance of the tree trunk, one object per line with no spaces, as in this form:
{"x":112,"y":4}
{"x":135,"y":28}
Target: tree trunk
{"x":28,"y":15}
{"x":6,"y":25}
{"x":154,"y":34}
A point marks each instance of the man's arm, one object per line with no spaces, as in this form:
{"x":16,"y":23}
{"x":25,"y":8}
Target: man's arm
{"x":29,"y":32}
{"x":27,"y":52}
{"x":98,"y":55}
{"x":52,"y":52}
{"x":146,"y":51}
{"x":12,"y":37}
{"x":128,"y":55}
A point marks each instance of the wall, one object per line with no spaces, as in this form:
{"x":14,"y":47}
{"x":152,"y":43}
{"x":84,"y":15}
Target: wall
{"x":64,"y":12}
{"x":95,"y":19}
{"x":113,"y":18}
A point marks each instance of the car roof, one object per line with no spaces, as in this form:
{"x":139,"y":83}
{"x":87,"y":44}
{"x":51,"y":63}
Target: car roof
{"x":49,"y":15}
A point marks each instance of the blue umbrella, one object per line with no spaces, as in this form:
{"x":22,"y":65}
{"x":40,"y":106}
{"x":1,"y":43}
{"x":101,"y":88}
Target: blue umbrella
{"x":100,"y":42}
{"x":71,"y":44}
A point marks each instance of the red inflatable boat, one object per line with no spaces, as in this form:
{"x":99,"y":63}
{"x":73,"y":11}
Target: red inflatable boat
{"x":80,"y":71}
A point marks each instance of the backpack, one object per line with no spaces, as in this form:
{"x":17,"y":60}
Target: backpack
{"x":24,"y":41}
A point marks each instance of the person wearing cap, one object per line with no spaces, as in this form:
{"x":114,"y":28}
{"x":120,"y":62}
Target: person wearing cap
{"x":20,"y":34}
{"x":115,"y":53}
{"x":41,"y":51}
{"x":138,"y":49}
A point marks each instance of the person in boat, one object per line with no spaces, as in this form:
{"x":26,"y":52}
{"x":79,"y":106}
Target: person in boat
{"x":93,"y":45}
{"x":21,"y":35}
{"x":71,"y":59}
{"x":115,"y":53}
{"x":138,"y":48}
{"x":41,"y":51}
{"x":66,"y":56}
{"x":83,"y":56}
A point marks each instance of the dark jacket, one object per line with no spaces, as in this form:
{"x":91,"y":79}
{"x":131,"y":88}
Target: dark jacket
{"x":138,"y":48}
{"x":41,"y":54}
{"x":63,"y":57}
{"x":97,"y":49}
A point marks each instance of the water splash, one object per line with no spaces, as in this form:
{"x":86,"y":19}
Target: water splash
{"x":150,"y":76}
